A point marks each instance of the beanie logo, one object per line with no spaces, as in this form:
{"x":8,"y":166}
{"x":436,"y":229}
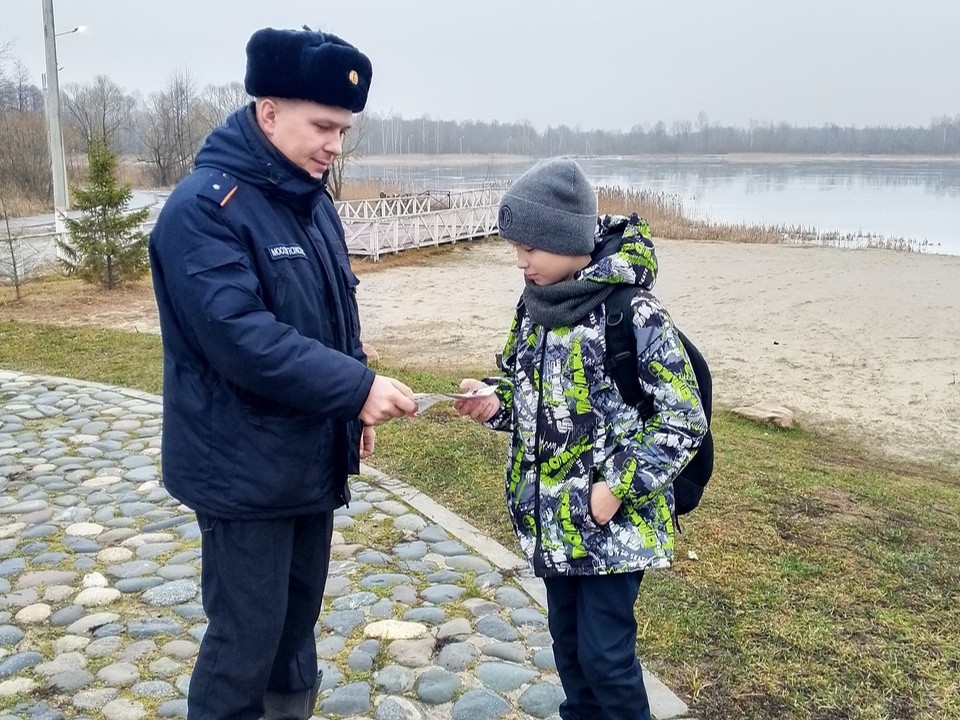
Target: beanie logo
{"x":505,"y":218}
{"x":353,"y":77}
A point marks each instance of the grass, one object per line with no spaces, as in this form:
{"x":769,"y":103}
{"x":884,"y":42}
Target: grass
{"x":827,"y":584}
{"x":88,"y":353}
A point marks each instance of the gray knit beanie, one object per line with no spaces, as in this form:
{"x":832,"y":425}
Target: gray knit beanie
{"x":552,"y":207}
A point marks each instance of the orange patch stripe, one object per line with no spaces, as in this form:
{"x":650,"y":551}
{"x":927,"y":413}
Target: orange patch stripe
{"x":229,"y":195}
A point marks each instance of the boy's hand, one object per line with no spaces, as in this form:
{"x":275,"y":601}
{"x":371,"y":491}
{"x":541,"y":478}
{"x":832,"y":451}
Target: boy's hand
{"x":480,"y":408}
{"x":603,"y":503}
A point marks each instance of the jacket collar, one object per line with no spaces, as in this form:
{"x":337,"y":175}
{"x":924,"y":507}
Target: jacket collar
{"x":240,"y":148}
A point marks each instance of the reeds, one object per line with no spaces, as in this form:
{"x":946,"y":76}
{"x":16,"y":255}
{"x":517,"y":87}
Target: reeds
{"x":667,"y":218}
{"x":370,"y":189}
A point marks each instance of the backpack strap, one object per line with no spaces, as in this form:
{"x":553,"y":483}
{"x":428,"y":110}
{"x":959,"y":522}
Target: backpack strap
{"x":621,"y":360}
{"x":621,"y":364}
{"x":701,"y":371}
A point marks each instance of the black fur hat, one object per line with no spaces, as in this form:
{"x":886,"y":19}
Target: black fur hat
{"x":307,"y":65}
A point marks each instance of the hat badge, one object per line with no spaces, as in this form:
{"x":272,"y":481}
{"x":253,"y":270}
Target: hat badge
{"x":505,"y":217}
{"x":353,"y":77}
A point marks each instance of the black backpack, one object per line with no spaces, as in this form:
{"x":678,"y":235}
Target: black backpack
{"x":621,"y":364}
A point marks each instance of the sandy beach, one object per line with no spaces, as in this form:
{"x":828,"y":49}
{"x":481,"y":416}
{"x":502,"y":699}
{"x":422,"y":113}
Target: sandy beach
{"x":860,"y":341}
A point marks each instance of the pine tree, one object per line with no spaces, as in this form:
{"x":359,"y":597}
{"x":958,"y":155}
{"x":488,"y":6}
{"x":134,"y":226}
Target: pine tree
{"x":105,"y":244}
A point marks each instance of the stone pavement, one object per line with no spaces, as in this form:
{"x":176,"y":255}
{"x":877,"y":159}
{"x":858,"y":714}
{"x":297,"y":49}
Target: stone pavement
{"x":100,"y":615}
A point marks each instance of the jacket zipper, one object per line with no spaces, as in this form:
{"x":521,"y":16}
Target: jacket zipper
{"x":539,"y":565}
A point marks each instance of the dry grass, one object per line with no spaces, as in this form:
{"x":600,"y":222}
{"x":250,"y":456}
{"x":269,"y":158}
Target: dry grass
{"x":369,"y":189}
{"x":668,"y":219}
{"x":134,"y":173}
{"x":57,"y":300}
{"x":17,"y":204}
{"x":665,"y":214}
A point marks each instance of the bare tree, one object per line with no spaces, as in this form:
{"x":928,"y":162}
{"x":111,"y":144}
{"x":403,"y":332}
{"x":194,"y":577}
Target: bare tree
{"x":16,"y":90}
{"x":703,"y":126}
{"x":351,"y":151}
{"x":24,"y":156}
{"x":21,"y":258}
{"x":97,"y":111}
{"x":171,"y":128}
{"x":29,"y":96}
{"x":681,"y":133}
{"x":7,"y":88}
{"x":12,"y":245}
{"x":24,"y":160}
{"x":156,"y":134}
{"x":218,"y":101}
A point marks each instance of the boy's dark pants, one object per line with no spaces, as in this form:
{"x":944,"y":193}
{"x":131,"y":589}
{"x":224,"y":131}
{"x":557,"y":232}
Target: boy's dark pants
{"x":595,"y":645}
{"x":262,"y":583}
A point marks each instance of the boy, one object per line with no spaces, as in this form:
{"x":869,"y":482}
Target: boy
{"x":588,"y":483}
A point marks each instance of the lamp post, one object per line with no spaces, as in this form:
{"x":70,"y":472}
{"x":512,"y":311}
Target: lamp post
{"x":58,"y":166}
{"x":78,"y":28}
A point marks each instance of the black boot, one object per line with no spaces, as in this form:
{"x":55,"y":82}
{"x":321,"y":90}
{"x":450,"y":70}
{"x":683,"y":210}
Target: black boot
{"x":291,"y":706}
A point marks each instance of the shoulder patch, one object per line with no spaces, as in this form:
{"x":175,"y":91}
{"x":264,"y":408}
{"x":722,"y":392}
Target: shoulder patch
{"x":218,"y":187}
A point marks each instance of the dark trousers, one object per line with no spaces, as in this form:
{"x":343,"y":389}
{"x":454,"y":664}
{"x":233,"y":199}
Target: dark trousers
{"x":595,"y":645}
{"x":262,"y":583}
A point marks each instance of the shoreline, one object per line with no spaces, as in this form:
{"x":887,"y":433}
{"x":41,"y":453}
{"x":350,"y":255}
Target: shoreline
{"x":860,"y":341}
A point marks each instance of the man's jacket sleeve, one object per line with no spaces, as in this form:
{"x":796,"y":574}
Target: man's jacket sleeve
{"x":215,"y":296}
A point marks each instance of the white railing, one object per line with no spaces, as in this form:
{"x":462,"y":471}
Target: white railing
{"x":372,"y":227}
{"x":392,"y":224}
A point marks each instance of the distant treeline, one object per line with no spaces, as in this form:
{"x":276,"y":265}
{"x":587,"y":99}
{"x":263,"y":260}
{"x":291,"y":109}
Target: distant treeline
{"x":396,"y":135}
{"x":164,"y":129}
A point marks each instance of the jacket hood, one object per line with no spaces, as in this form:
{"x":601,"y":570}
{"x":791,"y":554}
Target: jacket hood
{"x":624,"y":254}
{"x":239,"y":148}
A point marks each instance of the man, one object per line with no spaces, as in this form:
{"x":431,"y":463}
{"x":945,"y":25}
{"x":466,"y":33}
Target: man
{"x":268,"y":402}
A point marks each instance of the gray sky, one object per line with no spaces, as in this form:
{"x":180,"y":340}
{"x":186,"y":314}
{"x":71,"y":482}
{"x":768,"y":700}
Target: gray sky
{"x":596,"y":63}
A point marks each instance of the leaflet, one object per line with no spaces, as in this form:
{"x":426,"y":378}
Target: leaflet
{"x":426,"y":400}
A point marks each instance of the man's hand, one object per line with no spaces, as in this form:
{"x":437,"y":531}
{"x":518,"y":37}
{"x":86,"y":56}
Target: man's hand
{"x":368,"y":441}
{"x":480,"y":408}
{"x":603,"y":503}
{"x":387,"y":399}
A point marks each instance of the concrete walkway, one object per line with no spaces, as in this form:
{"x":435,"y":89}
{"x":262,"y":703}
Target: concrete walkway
{"x":424,"y":617}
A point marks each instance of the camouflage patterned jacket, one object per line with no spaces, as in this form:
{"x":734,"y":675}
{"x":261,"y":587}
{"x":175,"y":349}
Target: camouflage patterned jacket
{"x":570,"y":427}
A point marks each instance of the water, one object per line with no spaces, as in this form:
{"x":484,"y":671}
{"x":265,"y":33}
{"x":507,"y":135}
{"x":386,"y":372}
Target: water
{"x":913,"y":200}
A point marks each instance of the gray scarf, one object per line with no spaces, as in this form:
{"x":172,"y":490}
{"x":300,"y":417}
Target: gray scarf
{"x":565,"y":302}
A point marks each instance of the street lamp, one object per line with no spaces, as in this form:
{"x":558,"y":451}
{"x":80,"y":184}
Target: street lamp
{"x":58,"y":166}
{"x":78,"y":28}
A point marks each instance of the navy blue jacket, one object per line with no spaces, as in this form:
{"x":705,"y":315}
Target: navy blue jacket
{"x":264,"y":375}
